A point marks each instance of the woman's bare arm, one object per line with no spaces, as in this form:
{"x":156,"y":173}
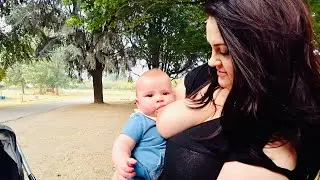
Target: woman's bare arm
{"x":283,"y":156}
{"x":177,"y":116}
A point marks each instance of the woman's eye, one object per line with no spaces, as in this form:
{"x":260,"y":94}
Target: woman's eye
{"x":225,"y":53}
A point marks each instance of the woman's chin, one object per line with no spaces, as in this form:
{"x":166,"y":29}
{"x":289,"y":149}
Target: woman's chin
{"x":224,"y":83}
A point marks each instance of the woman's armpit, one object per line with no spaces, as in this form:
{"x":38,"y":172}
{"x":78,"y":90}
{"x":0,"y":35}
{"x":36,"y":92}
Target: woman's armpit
{"x":282,"y":154}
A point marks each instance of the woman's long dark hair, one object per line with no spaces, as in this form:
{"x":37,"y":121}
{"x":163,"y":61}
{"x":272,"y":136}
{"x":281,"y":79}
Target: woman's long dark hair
{"x":276,"y":87}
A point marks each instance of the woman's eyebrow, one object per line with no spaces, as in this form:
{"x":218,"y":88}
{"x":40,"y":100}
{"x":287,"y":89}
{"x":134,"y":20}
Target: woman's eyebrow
{"x":219,"y":44}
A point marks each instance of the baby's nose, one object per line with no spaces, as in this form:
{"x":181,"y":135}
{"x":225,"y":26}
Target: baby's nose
{"x":159,"y":98}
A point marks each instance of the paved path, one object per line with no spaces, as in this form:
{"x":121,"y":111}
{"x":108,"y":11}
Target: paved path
{"x":10,"y":114}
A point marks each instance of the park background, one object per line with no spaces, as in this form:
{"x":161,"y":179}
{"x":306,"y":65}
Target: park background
{"x":68,"y":71}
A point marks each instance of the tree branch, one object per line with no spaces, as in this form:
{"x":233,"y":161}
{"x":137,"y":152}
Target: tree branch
{"x":134,"y":73}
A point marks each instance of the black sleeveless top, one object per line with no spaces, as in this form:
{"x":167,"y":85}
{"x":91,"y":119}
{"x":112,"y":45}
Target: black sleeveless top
{"x":199,"y":153}
{"x":190,"y":155}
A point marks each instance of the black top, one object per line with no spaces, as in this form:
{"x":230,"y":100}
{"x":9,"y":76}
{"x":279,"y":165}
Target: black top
{"x":200,"y":152}
{"x":191,"y":155}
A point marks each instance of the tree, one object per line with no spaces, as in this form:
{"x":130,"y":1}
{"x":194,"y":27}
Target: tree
{"x":167,"y":34}
{"x":98,"y":40}
{"x":44,"y":21}
{"x":16,"y":76}
{"x":47,"y":74}
{"x":14,"y":47}
{"x":171,"y":37}
{"x":57,"y":76}
{"x":100,"y":47}
{"x":315,"y":9}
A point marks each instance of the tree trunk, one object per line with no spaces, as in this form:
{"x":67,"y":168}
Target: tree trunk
{"x":97,"y":82}
{"x":22,"y":89}
{"x":57,"y":91}
{"x":41,"y":90}
{"x":130,"y":80}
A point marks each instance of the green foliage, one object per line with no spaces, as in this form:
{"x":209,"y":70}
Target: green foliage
{"x":67,"y":2}
{"x":27,"y":24}
{"x":14,"y":48}
{"x":42,"y":74}
{"x":168,"y":36}
{"x":2,"y":74}
{"x":16,"y":75}
{"x":315,"y":9}
{"x":50,"y":74}
{"x":75,"y":21}
{"x":104,"y":35}
{"x":100,"y":12}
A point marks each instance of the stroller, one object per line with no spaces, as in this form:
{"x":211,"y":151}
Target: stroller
{"x":12,"y":161}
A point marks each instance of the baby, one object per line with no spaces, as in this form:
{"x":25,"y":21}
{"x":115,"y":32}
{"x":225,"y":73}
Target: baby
{"x":138,"y":152}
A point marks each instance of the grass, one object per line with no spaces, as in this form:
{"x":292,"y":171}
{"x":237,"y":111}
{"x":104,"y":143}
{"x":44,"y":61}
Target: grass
{"x":14,"y":97}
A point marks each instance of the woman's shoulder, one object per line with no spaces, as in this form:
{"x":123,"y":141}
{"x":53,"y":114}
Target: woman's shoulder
{"x":283,"y":154}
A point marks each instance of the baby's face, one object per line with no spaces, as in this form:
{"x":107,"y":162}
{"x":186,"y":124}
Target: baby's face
{"x":153,"y":94}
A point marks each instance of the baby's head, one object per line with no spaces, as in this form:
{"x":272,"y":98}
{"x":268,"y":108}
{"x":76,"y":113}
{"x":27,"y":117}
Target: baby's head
{"x":153,"y":91}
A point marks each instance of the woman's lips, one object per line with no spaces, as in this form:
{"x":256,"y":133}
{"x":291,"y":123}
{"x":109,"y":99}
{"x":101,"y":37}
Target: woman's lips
{"x":221,"y":73}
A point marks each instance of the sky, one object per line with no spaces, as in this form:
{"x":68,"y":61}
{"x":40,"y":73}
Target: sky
{"x":138,"y":69}
{"x":3,"y":26}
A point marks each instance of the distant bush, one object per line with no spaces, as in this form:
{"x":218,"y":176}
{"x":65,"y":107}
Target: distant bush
{"x":118,"y":85}
{"x":84,"y":85}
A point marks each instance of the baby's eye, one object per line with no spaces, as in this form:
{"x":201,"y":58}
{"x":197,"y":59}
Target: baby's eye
{"x":166,"y":93}
{"x":149,"y":95}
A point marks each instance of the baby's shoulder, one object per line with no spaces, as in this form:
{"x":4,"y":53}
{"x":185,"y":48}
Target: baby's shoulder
{"x":141,"y":118}
{"x":137,"y":115}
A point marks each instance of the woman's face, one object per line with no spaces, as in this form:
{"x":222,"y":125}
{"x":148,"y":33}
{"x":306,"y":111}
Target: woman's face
{"x":220,"y":57}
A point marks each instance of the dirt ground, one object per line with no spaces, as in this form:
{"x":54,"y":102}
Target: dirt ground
{"x":72,"y":143}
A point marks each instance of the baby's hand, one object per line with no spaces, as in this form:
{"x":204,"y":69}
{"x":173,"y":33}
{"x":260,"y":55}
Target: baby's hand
{"x":131,"y":162}
{"x":126,"y":170}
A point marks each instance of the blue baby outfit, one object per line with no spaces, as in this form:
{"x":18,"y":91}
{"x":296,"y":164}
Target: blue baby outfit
{"x":150,"y":146}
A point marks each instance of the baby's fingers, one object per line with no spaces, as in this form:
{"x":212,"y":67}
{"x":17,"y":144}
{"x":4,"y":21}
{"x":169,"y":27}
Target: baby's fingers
{"x":128,"y":174}
{"x":131,"y":162}
{"x":128,"y":169}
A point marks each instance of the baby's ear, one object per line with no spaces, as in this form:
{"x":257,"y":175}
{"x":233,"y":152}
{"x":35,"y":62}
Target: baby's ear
{"x":136,"y":101}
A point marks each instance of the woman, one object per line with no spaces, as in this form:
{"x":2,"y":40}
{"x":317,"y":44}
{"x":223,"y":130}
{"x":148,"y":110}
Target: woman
{"x":259,"y":116}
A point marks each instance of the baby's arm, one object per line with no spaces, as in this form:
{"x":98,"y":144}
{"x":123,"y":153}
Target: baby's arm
{"x":177,"y":116}
{"x":121,"y":156}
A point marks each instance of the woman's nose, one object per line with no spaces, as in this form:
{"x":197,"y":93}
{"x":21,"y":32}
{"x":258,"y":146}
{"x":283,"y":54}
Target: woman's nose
{"x":217,"y":62}
{"x":214,"y":61}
